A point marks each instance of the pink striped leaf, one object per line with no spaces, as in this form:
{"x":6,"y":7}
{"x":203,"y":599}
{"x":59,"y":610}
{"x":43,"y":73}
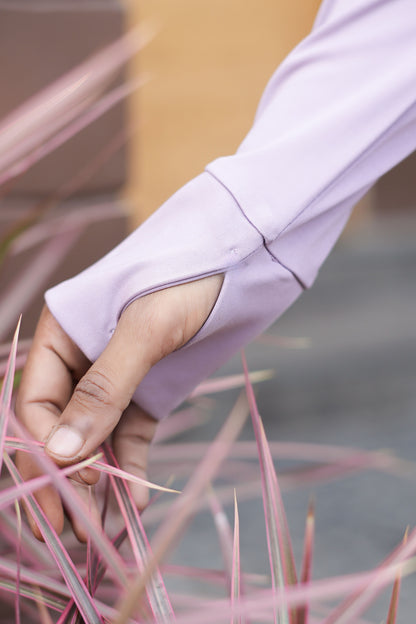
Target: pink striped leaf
{"x":48,"y":112}
{"x":155,"y":588}
{"x":355,"y":604}
{"x":305,"y":576}
{"x":62,"y":559}
{"x":281,"y":558}
{"x":184,"y":506}
{"x":259,"y":604}
{"x":69,"y":496}
{"x":220,"y":384}
{"x":236,"y":570}
{"x":224,"y":533}
{"x":7,"y":390}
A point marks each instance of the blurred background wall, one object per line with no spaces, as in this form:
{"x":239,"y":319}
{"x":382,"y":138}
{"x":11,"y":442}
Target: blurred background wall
{"x":207,"y":65}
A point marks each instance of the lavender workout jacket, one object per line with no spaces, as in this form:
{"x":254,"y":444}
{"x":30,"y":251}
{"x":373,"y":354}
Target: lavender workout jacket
{"x":338,"y":113}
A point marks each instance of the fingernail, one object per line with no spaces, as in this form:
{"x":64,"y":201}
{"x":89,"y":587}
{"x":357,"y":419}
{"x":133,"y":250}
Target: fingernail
{"x":65,"y":442}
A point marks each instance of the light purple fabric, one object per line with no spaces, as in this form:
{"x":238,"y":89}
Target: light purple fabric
{"x":338,"y":113}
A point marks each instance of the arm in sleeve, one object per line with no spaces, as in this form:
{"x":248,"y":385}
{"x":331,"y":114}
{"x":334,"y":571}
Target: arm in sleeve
{"x":338,"y":113}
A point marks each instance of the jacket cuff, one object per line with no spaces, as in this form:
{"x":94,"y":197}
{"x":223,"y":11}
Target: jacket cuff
{"x":199,"y":231}
{"x":254,"y":293}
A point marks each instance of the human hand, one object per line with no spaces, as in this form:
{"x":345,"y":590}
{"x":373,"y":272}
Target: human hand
{"x":74,"y":406}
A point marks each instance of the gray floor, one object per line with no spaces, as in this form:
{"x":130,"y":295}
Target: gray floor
{"x":354,"y":386}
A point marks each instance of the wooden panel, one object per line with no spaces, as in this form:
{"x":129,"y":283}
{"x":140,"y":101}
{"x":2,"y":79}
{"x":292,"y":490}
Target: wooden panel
{"x":208,"y":64}
{"x":39,"y":41}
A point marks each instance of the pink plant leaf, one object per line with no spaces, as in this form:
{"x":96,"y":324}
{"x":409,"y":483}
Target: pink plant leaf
{"x":220,"y":384}
{"x":31,"y":279}
{"x":18,"y":561}
{"x":281,"y":558}
{"x":184,"y":506}
{"x":215,"y":577}
{"x":156,"y":591}
{"x":127,"y":476}
{"x":83,"y":120}
{"x":360,"y":600}
{"x":33,"y":551}
{"x":16,"y":492}
{"x":300,"y":342}
{"x":27,"y":591}
{"x":48,"y":112}
{"x":20,"y":362}
{"x":394,"y":602}
{"x":259,"y":604}
{"x":44,"y":615}
{"x":306,"y":452}
{"x":62,"y":559}
{"x":178,"y":422}
{"x":101,"y":542}
{"x":22,"y":347}
{"x":305,"y":576}
{"x":224,"y":533}
{"x":7,"y":390}
{"x":59,"y":224}
{"x":236,"y":570}
{"x":36,"y":578}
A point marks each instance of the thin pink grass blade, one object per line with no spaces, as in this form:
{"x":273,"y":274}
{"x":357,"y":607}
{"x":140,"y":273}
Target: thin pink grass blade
{"x":220,"y":384}
{"x":34,"y":552}
{"x":179,"y":422}
{"x":22,"y":347}
{"x":281,"y":558}
{"x":127,"y":476}
{"x":155,"y":588}
{"x":42,"y":580}
{"x":330,"y":454}
{"x":184,"y":505}
{"x":16,"y":492}
{"x":7,"y":390}
{"x":300,"y":342}
{"x":306,"y":570}
{"x":236,"y":571}
{"x":27,"y":591}
{"x":258,"y":604}
{"x":100,"y":540}
{"x":62,"y":223}
{"x":19,"y":364}
{"x":62,"y":559}
{"x":96,"y":110}
{"x":49,"y":111}
{"x":44,"y":615}
{"x":394,"y":601}
{"x":360,"y":600}
{"x":31,"y":279}
{"x":224,"y":533}
{"x":18,"y":561}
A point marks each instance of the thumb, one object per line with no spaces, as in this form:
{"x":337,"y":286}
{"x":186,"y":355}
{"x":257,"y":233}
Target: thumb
{"x":105,"y":391}
{"x":149,"y":329}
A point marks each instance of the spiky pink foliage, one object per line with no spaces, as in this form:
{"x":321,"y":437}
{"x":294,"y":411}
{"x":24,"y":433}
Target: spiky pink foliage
{"x":105,"y":581}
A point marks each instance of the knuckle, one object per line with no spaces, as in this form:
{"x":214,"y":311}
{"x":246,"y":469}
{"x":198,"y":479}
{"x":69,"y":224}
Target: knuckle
{"x":95,"y":389}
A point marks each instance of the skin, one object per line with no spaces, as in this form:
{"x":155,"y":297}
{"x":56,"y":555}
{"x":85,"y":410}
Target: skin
{"x":62,"y":393}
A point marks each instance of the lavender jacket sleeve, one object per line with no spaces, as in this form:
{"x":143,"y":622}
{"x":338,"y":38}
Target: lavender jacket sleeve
{"x":338,"y":113}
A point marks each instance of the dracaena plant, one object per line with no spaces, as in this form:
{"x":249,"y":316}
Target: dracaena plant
{"x":119,"y":576}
